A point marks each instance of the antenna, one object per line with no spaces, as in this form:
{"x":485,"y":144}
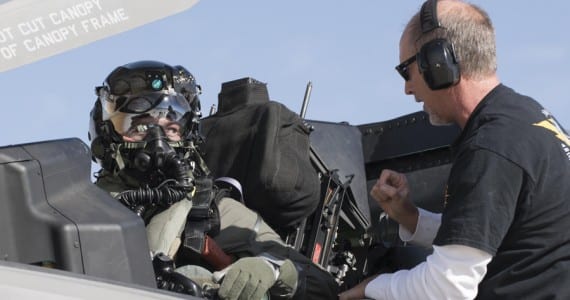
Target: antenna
{"x":213,"y":109}
{"x":306,"y":99}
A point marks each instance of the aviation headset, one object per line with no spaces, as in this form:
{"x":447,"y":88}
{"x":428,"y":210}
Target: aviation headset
{"x":436,"y":59}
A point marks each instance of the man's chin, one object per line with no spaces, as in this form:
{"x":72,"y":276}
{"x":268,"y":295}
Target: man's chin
{"x":436,"y":121}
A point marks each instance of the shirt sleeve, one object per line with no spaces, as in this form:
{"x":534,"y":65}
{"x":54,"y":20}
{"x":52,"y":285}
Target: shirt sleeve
{"x":451,"y":272}
{"x":482,"y":196}
{"x":426,"y":229}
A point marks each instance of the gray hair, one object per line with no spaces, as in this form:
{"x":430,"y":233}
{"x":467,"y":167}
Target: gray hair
{"x":471,"y":32}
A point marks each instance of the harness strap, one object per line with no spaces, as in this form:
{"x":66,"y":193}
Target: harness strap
{"x":203,"y":221}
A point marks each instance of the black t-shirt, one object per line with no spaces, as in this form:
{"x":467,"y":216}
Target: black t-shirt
{"x":508,"y":194}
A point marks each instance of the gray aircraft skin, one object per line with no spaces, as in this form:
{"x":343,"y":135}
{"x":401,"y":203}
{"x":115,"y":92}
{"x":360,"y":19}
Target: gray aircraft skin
{"x":22,"y":281}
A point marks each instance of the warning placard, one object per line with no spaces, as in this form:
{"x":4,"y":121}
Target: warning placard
{"x":34,"y":29}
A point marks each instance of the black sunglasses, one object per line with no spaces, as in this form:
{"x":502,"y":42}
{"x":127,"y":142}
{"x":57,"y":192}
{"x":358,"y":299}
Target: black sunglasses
{"x":403,"y":67}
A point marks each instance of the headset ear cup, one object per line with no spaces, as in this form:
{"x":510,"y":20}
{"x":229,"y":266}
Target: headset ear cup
{"x":438,"y":64}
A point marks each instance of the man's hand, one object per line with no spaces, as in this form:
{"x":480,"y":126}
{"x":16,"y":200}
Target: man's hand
{"x":356,"y":292}
{"x":248,"y":278}
{"x":391,"y":193}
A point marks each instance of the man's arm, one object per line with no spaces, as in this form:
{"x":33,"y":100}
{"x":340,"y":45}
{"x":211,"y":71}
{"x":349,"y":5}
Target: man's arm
{"x":426,"y":229}
{"x":356,"y":292}
{"x":451,"y":272}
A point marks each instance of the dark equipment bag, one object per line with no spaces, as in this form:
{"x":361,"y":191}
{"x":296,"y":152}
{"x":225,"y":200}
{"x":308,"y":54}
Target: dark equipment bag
{"x":265,"y":146}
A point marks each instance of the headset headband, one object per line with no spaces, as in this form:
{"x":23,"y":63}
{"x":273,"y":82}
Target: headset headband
{"x":428,"y":16}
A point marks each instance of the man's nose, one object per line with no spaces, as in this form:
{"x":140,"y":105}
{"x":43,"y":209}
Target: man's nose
{"x":408,"y":90}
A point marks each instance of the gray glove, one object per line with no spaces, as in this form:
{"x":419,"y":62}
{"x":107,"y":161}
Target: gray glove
{"x":252,"y":277}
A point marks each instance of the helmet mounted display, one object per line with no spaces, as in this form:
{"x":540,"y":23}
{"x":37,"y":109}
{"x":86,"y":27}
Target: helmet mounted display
{"x":136,"y":97}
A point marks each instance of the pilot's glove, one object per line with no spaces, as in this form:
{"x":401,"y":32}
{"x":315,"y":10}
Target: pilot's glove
{"x":252,"y":277}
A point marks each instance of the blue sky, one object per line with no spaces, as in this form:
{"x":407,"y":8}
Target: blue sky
{"x":347,"y":49}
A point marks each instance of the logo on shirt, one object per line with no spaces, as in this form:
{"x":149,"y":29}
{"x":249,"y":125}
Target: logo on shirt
{"x":553,"y":126}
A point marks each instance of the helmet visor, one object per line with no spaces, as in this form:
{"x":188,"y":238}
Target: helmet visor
{"x":132,"y":115}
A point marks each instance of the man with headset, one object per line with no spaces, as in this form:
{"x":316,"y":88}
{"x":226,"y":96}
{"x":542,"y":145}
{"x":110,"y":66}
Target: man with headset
{"x":503,"y":233}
